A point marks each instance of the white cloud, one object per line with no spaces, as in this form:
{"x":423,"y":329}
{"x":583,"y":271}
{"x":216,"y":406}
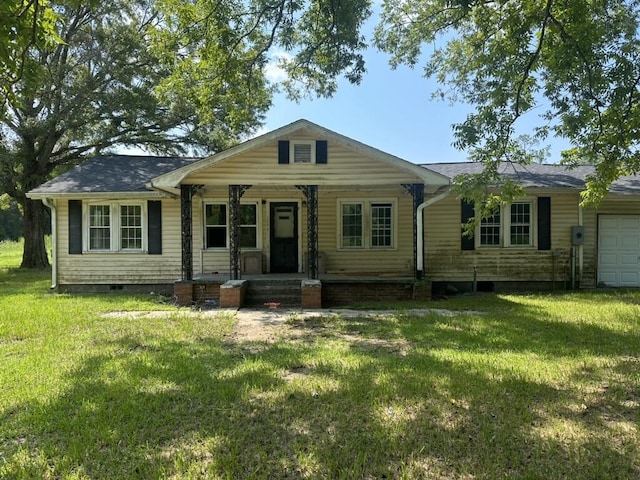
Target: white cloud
{"x":274,"y":71}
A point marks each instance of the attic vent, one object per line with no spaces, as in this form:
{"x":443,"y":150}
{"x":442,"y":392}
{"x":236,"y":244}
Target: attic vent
{"x":303,"y":152}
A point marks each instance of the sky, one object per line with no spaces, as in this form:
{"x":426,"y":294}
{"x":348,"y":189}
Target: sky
{"x":391,"y":110}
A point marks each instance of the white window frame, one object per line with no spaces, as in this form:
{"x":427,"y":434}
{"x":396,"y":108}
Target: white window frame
{"x":484,"y":224}
{"x":204,"y":225}
{"x":258,"y":226}
{"x":115,"y":225}
{"x":341,"y":244}
{"x":505,"y":226}
{"x":532,"y":225}
{"x":292,"y":151}
{"x":391,"y":227}
{"x":367,"y":222}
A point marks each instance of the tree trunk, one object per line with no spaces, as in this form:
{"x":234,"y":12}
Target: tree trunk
{"x":34,"y":254}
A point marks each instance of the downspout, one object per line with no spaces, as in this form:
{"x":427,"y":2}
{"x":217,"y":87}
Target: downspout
{"x":420,"y":226}
{"x":51,"y":205}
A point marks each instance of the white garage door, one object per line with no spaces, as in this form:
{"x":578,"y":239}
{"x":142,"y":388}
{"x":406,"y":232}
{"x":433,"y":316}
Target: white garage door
{"x":619,"y":250}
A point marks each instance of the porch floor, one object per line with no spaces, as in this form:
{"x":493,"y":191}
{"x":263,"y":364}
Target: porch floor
{"x":360,"y":278}
{"x":287,"y":289}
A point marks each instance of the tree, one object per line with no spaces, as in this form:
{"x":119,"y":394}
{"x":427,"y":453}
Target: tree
{"x":322,"y":38}
{"x":23,"y":24}
{"x":172,"y":76}
{"x":10,"y":219}
{"x":97,"y":89}
{"x":577,"y":61}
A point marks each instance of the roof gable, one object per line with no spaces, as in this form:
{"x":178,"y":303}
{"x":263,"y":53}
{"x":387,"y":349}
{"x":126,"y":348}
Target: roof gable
{"x":189,"y":173}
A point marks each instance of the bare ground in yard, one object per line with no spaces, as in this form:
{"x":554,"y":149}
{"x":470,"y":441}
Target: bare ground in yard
{"x":270,"y":325}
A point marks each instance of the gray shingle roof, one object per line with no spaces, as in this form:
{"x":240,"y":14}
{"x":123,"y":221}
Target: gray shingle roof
{"x":535,"y":175}
{"x":130,"y":173}
{"x":626,"y":185}
{"x":111,"y":173}
{"x":538,"y":175}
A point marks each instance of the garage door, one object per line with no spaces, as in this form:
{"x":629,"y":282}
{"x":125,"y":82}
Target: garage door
{"x":619,"y":250}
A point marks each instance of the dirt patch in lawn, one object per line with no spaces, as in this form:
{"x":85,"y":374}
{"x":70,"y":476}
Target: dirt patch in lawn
{"x":272,"y":325}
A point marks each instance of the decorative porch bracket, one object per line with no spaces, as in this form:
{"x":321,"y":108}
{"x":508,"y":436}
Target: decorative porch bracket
{"x":235,"y":194}
{"x":416,"y":190}
{"x":186,"y":221}
{"x":311,"y":193}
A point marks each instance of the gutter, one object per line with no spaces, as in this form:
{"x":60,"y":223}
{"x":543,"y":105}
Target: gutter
{"x":164,"y":190}
{"x":420,"y":227}
{"x":51,"y":204}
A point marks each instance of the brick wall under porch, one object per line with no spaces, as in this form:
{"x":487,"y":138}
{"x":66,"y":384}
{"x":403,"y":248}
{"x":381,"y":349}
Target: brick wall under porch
{"x":315,"y":294}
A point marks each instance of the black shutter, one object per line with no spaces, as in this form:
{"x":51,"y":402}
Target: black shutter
{"x":75,"y":227}
{"x":321,"y":151}
{"x":283,"y":151}
{"x":544,"y":223}
{"x":467,"y":212}
{"x":154,"y":227}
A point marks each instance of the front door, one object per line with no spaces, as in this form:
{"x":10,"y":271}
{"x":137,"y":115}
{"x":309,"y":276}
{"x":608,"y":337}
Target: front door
{"x":284,"y":237}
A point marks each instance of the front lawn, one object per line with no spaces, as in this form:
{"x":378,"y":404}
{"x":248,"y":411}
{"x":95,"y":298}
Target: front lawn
{"x":538,"y":386}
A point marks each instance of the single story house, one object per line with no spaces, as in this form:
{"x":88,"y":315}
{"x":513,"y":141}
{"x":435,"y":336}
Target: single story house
{"x":305,"y":211}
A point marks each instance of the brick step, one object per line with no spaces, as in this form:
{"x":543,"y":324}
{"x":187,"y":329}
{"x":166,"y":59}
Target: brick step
{"x":285,"y":292}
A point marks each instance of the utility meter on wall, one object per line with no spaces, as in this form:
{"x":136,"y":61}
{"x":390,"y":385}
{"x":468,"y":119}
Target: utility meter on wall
{"x":577,"y":235}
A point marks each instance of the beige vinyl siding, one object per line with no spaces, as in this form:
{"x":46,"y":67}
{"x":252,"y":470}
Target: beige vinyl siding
{"x":217,"y":260}
{"x":260,"y":167}
{"x":445,"y":260}
{"x":121,"y":268}
{"x":610,"y":206}
{"x":398,"y":260}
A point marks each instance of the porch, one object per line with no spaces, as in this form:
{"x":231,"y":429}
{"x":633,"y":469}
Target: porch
{"x":297,"y":290}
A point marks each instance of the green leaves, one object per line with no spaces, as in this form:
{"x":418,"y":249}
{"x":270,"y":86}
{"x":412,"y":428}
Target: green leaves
{"x":576,"y":63}
{"x":328,"y":43}
{"x":171,"y":76}
{"x":24,"y":25}
{"x":321,"y":38}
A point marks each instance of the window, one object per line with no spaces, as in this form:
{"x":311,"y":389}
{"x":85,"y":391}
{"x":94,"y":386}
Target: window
{"x":99,"y":227}
{"x":520,"y":233}
{"x":131,"y":227}
{"x":511,"y":226}
{"x":351,"y":225}
{"x":381,"y":226}
{"x":248,"y":226}
{"x":490,"y":230}
{"x":115,"y":227}
{"x":367,"y":224}
{"x":303,"y":152}
{"x":217,"y":225}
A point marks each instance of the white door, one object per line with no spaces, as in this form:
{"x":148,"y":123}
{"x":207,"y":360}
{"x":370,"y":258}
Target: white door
{"x":619,"y":250}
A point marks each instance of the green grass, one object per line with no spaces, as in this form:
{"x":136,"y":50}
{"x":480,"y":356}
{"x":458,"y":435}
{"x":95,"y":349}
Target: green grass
{"x":530,"y":386}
